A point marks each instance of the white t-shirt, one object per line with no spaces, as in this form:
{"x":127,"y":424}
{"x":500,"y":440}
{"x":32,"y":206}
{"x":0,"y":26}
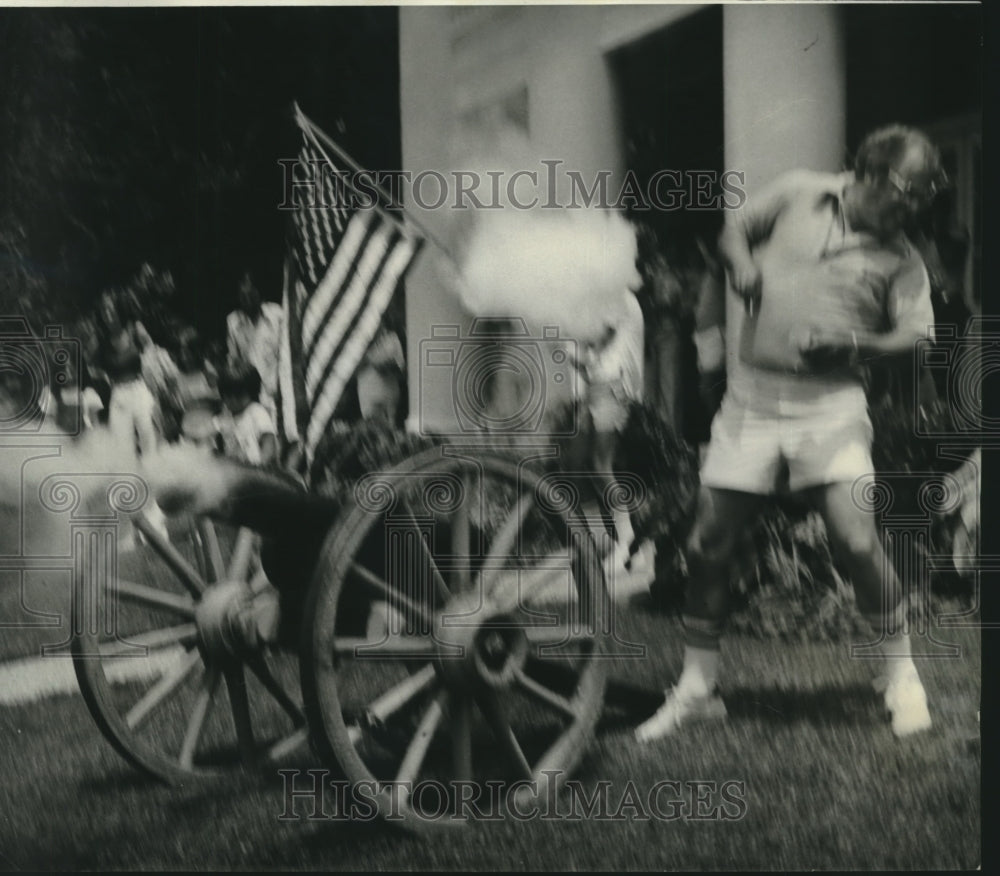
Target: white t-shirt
{"x":257,"y":343}
{"x":241,"y":433}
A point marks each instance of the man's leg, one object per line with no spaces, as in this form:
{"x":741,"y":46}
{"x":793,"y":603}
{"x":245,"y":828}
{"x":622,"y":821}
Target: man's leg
{"x":721,"y":516}
{"x":855,"y":542}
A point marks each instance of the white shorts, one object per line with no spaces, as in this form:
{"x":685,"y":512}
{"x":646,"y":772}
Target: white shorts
{"x":757,"y":449}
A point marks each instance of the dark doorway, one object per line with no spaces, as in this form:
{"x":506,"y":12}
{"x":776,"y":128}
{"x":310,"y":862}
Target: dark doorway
{"x":671,"y":111}
{"x":670,"y":99}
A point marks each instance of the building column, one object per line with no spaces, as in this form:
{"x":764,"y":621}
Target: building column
{"x":785,"y":101}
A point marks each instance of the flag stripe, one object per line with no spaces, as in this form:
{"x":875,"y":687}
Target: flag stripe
{"x":357,"y":290}
{"x":356,"y":301}
{"x":342,"y":264}
{"x":343,"y":267}
{"x":349,"y":259}
{"x":357,"y":343}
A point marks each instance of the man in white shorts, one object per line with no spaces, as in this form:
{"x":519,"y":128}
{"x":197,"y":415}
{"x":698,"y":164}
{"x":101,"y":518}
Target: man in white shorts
{"x":829,"y":281}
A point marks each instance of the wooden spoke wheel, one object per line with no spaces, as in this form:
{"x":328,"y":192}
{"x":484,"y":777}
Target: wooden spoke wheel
{"x":179,"y":667}
{"x":453,"y":636}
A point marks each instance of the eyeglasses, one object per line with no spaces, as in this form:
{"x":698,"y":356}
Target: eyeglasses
{"x":912,"y":191}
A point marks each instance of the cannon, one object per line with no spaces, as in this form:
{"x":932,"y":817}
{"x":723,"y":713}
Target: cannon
{"x":442,"y":620}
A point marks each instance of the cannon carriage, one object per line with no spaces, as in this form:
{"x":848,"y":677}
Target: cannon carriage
{"x":440,"y":622}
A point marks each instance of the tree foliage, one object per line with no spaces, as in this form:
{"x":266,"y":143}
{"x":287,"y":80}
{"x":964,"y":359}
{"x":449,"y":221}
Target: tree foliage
{"x":132,"y":136}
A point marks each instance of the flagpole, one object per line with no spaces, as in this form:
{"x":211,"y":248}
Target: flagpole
{"x":319,"y":133}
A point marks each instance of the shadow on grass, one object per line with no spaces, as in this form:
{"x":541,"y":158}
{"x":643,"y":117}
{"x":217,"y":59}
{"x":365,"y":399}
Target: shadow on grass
{"x":823,"y":706}
{"x":110,"y":781}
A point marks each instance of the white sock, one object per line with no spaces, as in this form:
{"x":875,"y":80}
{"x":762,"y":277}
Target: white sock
{"x":895,"y":649}
{"x":700,"y":672}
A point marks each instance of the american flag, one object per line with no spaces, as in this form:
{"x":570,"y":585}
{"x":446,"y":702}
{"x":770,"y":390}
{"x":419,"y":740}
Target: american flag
{"x":345,"y":261}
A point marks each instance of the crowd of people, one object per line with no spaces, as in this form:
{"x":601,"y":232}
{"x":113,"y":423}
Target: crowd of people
{"x":150,"y":380}
{"x":146,"y":379}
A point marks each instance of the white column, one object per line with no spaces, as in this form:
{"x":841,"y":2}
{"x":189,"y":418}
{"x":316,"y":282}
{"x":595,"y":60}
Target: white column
{"x":426,"y":112}
{"x":783,"y":69}
{"x":784,"y":103}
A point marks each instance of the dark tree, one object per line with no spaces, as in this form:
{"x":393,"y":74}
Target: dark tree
{"x":131,"y":136}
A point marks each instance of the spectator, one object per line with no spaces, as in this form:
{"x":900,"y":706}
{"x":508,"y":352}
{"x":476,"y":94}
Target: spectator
{"x":132,"y":406}
{"x":245,"y":427}
{"x":683,"y":306}
{"x":613,"y":369}
{"x":380,"y":377}
{"x":73,"y":405}
{"x":664,"y":293}
{"x":253,"y":335}
{"x":197,"y":395}
{"x":160,"y":373}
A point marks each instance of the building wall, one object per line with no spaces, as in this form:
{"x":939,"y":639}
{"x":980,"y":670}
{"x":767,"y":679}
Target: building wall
{"x":543,"y":71}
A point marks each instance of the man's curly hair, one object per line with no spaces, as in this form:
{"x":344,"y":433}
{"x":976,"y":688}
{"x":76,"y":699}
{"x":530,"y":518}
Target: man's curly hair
{"x":885,"y":147}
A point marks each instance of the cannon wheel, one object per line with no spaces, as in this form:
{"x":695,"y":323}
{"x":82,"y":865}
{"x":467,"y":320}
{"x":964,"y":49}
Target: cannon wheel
{"x":452,"y":639}
{"x":171,"y":682}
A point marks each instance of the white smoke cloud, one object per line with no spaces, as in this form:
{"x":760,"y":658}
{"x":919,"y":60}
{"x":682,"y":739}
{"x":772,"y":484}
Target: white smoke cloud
{"x":565,"y":267}
{"x":183,"y":479}
{"x":555,"y":267}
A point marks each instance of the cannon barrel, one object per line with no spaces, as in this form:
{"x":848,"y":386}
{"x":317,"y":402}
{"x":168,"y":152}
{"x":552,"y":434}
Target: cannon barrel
{"x":292,"y":521}
{"x":275,"y":505}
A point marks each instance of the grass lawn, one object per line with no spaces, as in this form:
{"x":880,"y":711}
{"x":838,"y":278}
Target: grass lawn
{"x":824,"y":784}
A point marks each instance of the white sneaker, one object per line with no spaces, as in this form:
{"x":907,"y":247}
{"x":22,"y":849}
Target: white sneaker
{"x":677,"y":709}
{"x":907,"y":704}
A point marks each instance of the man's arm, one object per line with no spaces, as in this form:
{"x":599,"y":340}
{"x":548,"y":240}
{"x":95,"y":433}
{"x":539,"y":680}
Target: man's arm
{"x":744,"y":275}
{"x":750,"y":226}
{"x":823,"y":348}
{"x":909,"y":311}
{"x":899,"y":342}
